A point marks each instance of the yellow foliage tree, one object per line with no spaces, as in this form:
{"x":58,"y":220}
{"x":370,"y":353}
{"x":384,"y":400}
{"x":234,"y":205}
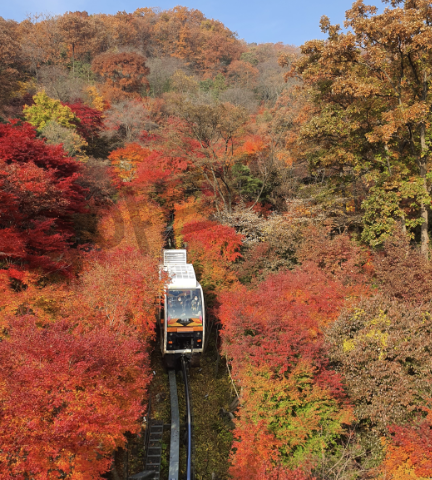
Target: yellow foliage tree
{"x":46,"y":109}
{"x":96,"y":100}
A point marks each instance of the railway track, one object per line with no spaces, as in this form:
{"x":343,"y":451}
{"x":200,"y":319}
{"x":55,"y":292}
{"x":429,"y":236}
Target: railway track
{"x":188,"y":421}
{"x":155,"y":432}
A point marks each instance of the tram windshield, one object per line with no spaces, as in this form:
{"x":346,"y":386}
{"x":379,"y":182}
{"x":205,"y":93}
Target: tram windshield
{"x":184,"y":308}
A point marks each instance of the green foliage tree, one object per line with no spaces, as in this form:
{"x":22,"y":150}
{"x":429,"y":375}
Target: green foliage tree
{"x":248,"y":185}
{"x":249,"y":57}
{"x":371,"y":90}
{"x":219,"y":85}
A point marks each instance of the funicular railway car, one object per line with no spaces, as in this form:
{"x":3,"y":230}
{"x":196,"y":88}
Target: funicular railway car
{"x":182,"y":317}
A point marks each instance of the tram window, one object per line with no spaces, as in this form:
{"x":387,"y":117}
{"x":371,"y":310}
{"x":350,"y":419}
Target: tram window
{"x":184,"y":305}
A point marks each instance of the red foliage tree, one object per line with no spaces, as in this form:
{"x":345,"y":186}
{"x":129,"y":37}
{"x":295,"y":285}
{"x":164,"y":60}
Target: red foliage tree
{"x":68,"y":396}
{"x":286,"y":313}
{"x":162,"y":170}
{"x":409,"y":453}
{"x":220,"y":241}
{"x":90,"y":124}
{"x":213,"y":248}
{"x":40,"y":194}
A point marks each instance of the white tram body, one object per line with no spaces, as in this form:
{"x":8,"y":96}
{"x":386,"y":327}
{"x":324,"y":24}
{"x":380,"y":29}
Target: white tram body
{"x":183,"y":317}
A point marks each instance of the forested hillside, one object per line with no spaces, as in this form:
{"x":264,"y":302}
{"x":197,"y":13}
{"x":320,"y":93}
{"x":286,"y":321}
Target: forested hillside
{"x":299,"y":179}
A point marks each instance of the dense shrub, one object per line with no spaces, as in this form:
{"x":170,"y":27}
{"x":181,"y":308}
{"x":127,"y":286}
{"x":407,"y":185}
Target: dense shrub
{"x":383,"y":350}
{"x":402,"y":272}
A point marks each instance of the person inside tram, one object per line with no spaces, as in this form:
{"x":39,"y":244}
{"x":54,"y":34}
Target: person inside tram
{"x":195,"y":305}
{"x":186,"y":304}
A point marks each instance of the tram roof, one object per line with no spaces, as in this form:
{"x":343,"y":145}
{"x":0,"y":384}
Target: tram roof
{"x":182,"y":274}
{"x":175,"y":257}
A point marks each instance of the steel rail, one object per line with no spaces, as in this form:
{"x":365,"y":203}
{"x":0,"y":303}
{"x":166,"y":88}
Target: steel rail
{"x":188,"y":421}
{"x":175,"y":429}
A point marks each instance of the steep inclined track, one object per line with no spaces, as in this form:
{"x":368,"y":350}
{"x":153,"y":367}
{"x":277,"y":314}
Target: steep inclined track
{"x":154,"y":451}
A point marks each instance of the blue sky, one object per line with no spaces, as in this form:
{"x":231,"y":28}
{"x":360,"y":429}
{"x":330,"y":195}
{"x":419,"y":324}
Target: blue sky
{"x":288,"y":21}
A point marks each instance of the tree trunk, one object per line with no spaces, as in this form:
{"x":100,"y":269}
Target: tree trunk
{"x":126,"y":462}
{"x":73,"y":59}
{"x":403,"y":226}
{"x":425,"y":217}
{"x":423,"y":208}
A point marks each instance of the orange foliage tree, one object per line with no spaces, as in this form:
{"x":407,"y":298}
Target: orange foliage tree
{"x":10,"y":59}
{"x":124,"y":73}
{"x":370,"y":87}
{"x":77,"y":31}
{"x":191,"y":210}
{"x":125,"y":161}
{"x":242,"y":74}
{"x":68,"y":396}
{"x":186,"y":33}
{"x":212,"y":248}
{"x":409,"y":451}
{"x":119,"y":287}
{"x":21,"y":293}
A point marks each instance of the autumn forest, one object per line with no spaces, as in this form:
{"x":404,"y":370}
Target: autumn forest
{"x":298,"y":178}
